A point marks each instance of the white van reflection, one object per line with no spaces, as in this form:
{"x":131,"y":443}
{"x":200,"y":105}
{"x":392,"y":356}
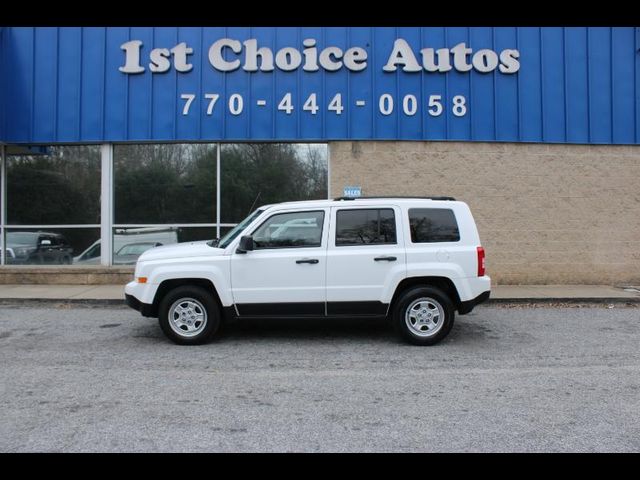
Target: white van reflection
{"x":129,"y":244}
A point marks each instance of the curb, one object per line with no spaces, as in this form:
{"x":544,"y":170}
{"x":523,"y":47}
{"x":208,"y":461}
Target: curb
{"x":570,"y":300}
{"x":72,"y":302}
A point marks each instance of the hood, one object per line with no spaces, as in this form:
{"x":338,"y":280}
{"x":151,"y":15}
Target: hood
{"x":180,"y":250}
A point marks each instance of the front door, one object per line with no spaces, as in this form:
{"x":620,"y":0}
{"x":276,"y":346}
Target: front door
{"x":285,"y":274}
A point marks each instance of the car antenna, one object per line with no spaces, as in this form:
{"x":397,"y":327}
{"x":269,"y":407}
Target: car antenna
{"x":254,"y":202}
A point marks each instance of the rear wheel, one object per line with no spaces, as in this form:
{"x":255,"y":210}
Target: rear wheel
{"x":423,"y":315}
{"x":189,"y":315}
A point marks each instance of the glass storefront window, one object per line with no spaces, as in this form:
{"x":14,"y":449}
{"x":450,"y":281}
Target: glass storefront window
{"x":61,"y":186}
{"x":162,"y":194}
{"x":164,"y":183}
{"x":255,"y":174}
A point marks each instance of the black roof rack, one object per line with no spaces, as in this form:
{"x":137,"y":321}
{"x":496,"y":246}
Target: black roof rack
{"x":396,"y":196}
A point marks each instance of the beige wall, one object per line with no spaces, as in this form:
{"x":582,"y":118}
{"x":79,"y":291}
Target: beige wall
{"x":547,"y":214}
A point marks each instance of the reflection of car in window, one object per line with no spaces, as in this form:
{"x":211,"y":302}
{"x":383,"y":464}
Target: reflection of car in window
{"x":8,"y":252}
{"x":290,"y":229}
{"x":38,"y":248}
{"x":150,"y":236}
{"x":91,"y":255}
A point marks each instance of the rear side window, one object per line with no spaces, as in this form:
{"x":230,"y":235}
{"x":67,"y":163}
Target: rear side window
{"x":430,"y":225}
{"x":371,"y":226}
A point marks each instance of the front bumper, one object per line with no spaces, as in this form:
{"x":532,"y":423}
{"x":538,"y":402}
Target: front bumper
{"x":145,"y":309}
{"x":469,"y":305}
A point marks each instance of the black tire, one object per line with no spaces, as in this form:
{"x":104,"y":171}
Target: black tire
{"x":208,"y":302}
{"x":433,"y":296}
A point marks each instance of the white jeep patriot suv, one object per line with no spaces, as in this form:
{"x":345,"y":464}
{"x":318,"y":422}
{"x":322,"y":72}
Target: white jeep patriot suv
{"x":413,"y":260}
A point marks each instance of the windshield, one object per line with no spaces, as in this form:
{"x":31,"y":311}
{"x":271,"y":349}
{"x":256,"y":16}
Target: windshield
{"x":228,"y":238}
{"x":22,"y":238}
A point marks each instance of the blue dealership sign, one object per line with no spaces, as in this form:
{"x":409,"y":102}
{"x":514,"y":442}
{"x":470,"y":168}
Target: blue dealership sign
{"x":352,"y":191}
{"x":549,"y":84}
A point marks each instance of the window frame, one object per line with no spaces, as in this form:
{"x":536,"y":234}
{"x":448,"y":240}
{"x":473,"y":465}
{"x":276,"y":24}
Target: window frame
{"x":320,"y":210}
{"x":395,"y":223}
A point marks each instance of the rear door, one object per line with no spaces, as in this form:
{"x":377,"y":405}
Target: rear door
{"x":365,"y":259}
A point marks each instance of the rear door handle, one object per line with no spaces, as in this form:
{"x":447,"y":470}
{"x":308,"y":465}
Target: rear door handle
{"x":308,"y":260}
{"x":388,"y":259}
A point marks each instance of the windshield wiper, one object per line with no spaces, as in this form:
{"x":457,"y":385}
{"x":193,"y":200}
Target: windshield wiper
{"x":214,"y":242}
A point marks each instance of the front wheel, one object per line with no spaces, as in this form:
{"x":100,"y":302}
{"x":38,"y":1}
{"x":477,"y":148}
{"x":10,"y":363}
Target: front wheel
{"x":189,"y":315}
{"x":423,"y":315}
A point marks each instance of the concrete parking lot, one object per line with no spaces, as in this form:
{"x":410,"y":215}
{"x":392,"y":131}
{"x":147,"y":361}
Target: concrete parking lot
{"x":508,"y":378}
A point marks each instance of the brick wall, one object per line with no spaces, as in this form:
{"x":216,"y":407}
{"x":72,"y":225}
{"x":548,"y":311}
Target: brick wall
{"x":547,"y":214}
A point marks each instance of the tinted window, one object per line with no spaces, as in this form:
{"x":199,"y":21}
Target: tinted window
{"x":365,"y":227}
{"x":298,"y":229}
{"x":430,"y":225}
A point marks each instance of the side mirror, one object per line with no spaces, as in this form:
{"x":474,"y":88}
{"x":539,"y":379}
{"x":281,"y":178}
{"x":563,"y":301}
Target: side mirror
{"x":245,"y":245}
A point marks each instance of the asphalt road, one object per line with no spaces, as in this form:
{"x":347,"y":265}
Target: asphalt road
{"x":506,"y":379}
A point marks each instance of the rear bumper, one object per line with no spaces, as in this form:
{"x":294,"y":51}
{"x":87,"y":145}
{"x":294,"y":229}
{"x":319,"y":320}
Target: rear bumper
{"x":144,"y":308}
{"x":469,"y":305}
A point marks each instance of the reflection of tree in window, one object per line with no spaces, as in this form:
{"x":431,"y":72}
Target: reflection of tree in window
{"x":365,"y":226}
{"x":61,"y":187}
{"x":165,"y":183}
{"x":433,"y":225}
{"x":272,"y":173}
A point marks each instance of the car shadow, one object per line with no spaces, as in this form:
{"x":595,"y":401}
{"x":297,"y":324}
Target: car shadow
{"x":308,"y":329}
{"x":465,"y":330}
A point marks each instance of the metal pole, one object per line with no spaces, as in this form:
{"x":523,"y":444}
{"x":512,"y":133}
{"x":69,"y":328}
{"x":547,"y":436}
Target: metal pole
{"x":106,"y":204}
{"x":3,"y":196}
{"x":328,"y":170}
{"x":218,"y":190}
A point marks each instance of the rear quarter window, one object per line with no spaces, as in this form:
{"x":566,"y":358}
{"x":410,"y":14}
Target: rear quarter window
{"x":432,"y":225}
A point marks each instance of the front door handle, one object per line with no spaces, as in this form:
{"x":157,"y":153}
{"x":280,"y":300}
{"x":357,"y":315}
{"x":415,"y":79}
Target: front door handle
{"x":308,"y":260}
{"x":387,"y":259}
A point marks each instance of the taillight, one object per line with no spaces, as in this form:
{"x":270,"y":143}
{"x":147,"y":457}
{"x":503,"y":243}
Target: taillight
{"x":480,"y":262}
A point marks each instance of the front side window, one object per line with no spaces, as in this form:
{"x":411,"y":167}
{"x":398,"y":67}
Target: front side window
{"x":430,"y":225}
{"x":372,"y":226}
{"x":295,"y":229}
